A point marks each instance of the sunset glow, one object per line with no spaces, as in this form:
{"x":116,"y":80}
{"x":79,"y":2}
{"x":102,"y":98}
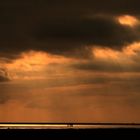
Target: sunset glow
{"x":106,"y":53}
{"x":70,"y":61}
{"x":34,"y":61}
{"x":128,"y":20}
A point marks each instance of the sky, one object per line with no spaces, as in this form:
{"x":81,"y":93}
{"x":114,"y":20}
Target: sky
{"x":70,"y":61}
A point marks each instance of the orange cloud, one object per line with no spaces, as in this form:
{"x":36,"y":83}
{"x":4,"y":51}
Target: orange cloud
{"x":105,"y":53}
{"x":39,"y":65}
{"x":128,"y":20}
{"x":132,"y":49}
{"x":35,"y":64}
{"x":122,"y":57}
{"x":31,"y":61}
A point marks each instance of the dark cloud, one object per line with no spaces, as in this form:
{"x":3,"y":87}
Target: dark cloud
{"x":102,"y":66}
{"x":64,"y":37}
{"x":3,"y":79}
{"x":3,"y":75}
{"x":63,"y":27}
{"x":102,"y":31}
{"x":97,"y":6}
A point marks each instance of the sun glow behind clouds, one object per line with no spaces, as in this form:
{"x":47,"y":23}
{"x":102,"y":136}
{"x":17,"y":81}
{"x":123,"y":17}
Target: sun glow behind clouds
{"x":34,"y":64}
{"x":41,"y":65}
{"x":128,"y":20}
{"x":122,"y":57}
{"x":34,"y":61}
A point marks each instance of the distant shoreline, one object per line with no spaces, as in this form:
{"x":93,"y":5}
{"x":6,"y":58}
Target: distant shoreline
{"x":68,"y":125}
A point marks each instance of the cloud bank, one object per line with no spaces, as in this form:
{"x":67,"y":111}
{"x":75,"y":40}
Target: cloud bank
{"x":64,"y":27}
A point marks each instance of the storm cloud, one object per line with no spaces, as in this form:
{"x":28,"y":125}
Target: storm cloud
{"x":103,"y":31}
{"x":63,"y":27}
